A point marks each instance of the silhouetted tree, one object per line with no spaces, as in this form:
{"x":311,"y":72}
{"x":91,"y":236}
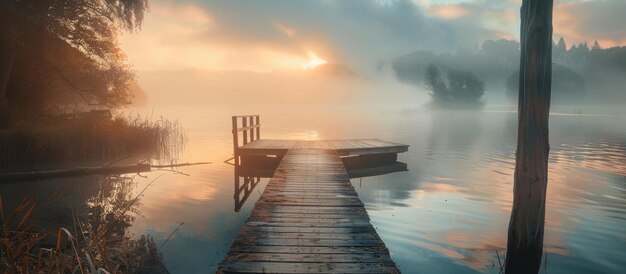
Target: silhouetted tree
{"x":575,"y":69}
{"x":462,"y":88}
{"x":560,"y":49}
{"x":562,"y":45}
{"x":526,"y":226}
{"x":596,"y":46}
{"x":64,"y":45}
{"x":465,"y":87}
{"x":435,"y":83}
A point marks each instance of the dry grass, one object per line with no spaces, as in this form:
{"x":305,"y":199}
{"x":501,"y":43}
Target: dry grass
{"x":60,"y":143}
{"x":98,"y":242}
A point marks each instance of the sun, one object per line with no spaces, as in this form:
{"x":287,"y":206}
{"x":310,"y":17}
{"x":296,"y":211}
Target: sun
{"x":314,"y":61}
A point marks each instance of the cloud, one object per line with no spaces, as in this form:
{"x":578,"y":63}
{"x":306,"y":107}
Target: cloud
{"x":591,"y":20}
{"x":576,"y":20}
{"x":274,"y":35}
{"x":265,"y":35}
{"x":450,"y":11}
{"x":497,"y":19}
{"x":187,"y":35}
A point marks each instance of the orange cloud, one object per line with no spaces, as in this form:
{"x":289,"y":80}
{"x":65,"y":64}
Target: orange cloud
{"x":449,"y":11}
{"x":589,"y":21}
{"x":188,"y":37}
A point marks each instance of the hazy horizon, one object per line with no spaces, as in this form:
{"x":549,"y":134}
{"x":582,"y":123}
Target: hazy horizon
{"x":307,"y":52}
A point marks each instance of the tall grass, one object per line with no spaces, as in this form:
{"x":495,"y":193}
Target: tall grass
{"x":59,"y":143}
{"x":96,"y":243}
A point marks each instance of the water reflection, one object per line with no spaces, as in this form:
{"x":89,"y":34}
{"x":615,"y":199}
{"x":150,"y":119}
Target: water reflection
{"x":447,"y":214}
{"x":92,"y":222}
{"x":243,"y":185}
{"x":249,"y":172}
{"x":459,"y":203}
{"x":372,"y":165}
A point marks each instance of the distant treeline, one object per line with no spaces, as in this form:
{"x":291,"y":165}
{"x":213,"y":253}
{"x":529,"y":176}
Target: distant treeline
{"x":580,"y":73}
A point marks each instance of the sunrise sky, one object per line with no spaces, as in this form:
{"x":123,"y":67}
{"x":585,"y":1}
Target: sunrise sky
{"x":269,"y":36}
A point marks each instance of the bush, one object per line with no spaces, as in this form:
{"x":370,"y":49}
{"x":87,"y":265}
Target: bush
{"x":462,"y":89}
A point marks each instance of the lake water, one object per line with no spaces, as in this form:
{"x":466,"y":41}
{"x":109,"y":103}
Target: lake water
{"x":448,"y":214}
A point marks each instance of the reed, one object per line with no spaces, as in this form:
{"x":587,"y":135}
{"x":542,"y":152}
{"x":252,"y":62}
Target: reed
{"x":95,"y":244}
{"x":60,"y":143}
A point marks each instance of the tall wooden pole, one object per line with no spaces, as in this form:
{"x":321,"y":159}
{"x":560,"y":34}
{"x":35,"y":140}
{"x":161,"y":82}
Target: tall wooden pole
{"x":526,"y":227}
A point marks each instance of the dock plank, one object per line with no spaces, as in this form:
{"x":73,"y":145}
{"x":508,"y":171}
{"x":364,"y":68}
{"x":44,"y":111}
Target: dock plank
{"x":342,"y":147}
{"x":310,"y":258}
{"x":291,"y":267}
{"x":309,"y":218}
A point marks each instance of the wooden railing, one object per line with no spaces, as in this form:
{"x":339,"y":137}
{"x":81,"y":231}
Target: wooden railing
{"x":249,"y":183}
{"x":250,"y":131}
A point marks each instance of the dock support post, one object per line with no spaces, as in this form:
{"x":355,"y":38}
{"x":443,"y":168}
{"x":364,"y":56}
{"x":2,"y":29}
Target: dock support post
{"x":235,"y":141}
{"x":244,"y":124}
{"x":258,"y":129}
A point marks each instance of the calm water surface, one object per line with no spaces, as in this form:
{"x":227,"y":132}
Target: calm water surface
{"x":448,"y":214}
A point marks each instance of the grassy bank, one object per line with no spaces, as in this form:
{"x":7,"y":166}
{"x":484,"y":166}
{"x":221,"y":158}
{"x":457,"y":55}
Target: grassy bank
{"x":63,"y":142}
{"x":92,"y":237}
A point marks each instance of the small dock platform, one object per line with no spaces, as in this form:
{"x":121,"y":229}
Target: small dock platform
{"x":341,"y":147}
{"x":309,"y":218}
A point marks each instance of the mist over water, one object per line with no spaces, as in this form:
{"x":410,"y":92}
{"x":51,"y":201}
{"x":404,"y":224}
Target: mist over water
{"x":439,"y":76}
{"x":448,"y":214}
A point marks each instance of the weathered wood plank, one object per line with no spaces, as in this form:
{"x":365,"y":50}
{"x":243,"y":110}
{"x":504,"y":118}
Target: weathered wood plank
{"x":304,"y":214}
{"x":343,"y":147}
{"x":251,"y":235}
{"x":313,"y":222}
{"x":308,"y":242}
{"x":310,"y":258}
{"x":280,"y":267}
{"x":318,"y":230}
{"x":307,"y":249}
{"x":287,"y":210}
{"x":321,"y":225}
{"x":309,"y":218}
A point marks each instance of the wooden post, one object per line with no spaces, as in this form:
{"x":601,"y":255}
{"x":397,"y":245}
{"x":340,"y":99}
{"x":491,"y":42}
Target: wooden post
{"x":251,"y":118}
{"x":244,"y":122}
{"x":237,"y":190}
{"x":526,"y":226}
{"x":258,"y":130}
{"x":235,"y":141}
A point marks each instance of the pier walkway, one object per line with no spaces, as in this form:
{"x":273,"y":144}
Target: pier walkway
{"x":309,"y":219}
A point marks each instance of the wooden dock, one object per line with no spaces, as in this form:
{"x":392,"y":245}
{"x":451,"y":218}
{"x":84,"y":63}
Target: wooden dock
{"x":350,"y":147}
{"x":309,"y":219}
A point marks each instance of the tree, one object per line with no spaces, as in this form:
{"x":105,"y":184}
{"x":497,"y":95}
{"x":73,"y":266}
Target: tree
{"x":462,"y":88}
{"x":465,"y":87}
{"x":52,"y":45}
{"x":560,"y":49}
{"x":583,"y":46}
{"x":436,"y":84}
{"x":596,"y":46}
{"x":526,"y":226}
{"x":562,"y":45}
